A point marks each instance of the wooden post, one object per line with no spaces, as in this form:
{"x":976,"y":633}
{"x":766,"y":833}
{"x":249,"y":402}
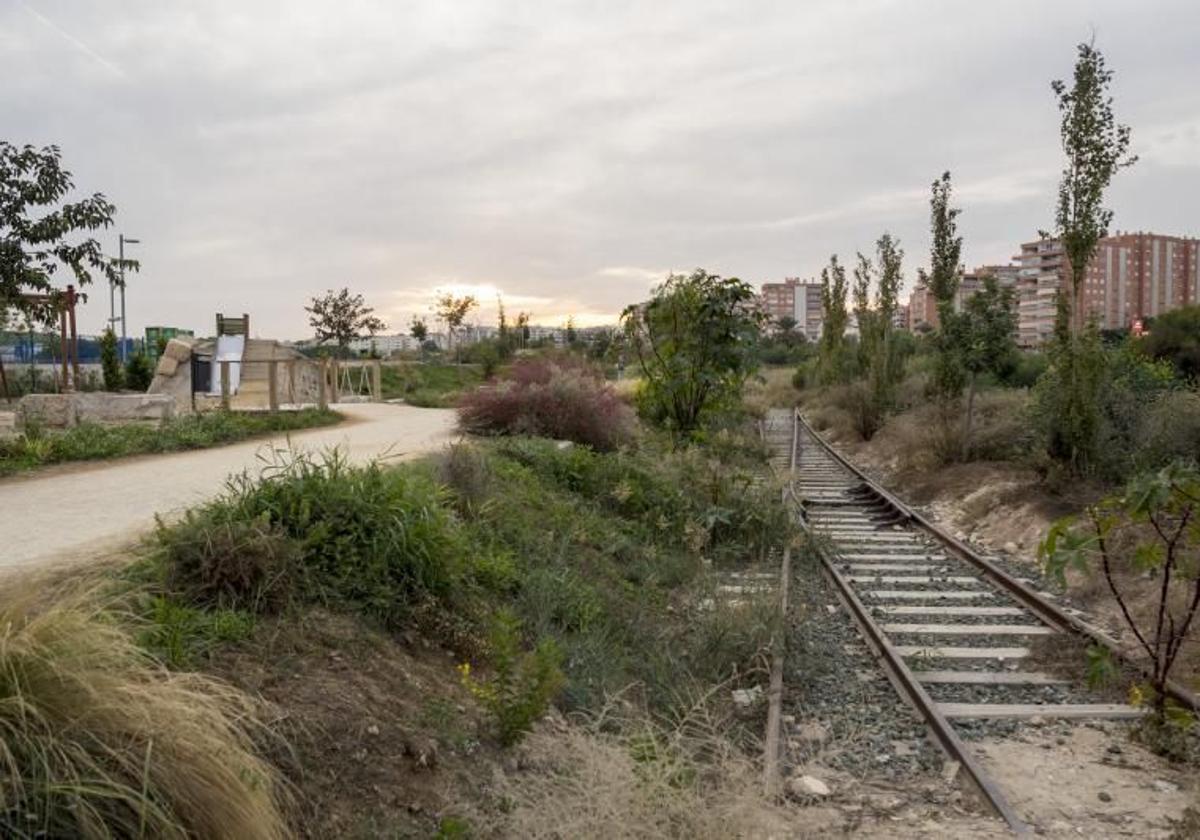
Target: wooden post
{"x":225,"y":385}
{"x":66,"y":382}
{"x":322,"y":394}
{"x":291,"y":367}
{"x":71,"y":299}
{"x":273,"y":385}
{"x":377,"y":381}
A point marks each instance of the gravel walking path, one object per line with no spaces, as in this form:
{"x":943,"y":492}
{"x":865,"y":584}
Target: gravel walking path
{"x":75,"y":512}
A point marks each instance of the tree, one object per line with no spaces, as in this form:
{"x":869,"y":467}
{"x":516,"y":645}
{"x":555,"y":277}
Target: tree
{"x":694,"y":341}
{"x":785,"y":325}
{"x":418,"y":329}
{"x":831,"y":350}
{"x":342,"y":317}
{"x":1153,"y":528}
{"x":523,"y":328}
{"x":572,"y":334}
{"x":36,"y":243}
{"x":983,"y":336}
{"x":454,"y":310}
{"x":945,"y":275}
{"x":110,"y":362}
{"x":1175,"y":336}
{"x":860,"y":293}
{"x":886,"y":357}
{"x":502,"y":325}
{"x":39,"y":233}
{"x":1096,"y":146}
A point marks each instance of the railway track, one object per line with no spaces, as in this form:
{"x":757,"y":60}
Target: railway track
{"x":951,"y":629}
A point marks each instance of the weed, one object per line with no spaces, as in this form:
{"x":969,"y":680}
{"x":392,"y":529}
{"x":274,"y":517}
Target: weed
{"x":523,"y":682}
{"x":181,"y":635}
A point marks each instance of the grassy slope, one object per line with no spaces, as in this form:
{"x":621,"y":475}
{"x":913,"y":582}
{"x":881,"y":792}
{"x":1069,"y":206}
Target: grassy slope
{"x":429,"y":385}
{"x":600,"y":553}
{"x":92,"y":442}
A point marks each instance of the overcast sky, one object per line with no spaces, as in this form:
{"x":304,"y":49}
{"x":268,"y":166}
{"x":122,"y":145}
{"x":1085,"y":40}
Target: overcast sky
{"x":569,"y":154}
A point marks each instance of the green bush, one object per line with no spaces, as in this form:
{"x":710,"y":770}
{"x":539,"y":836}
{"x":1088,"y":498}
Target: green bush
{"x":139,"y":373}
{"x":110,"y":362}
{"x":215,"y":561}
{"x":368,"y":539}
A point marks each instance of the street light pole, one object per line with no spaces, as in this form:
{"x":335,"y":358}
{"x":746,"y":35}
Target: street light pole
{"x":122,"y":239}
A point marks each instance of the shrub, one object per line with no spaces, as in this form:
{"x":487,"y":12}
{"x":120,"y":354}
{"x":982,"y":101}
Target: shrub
{"x":368,"y":539}
{"x":550,"y":397}
{"x":100,"y":741}
{"x":110,"y":362}
{"x":522,"y":684}
{"x":230,"y":563}
{"x":1175,"y":337}
{"x":138,"y":372}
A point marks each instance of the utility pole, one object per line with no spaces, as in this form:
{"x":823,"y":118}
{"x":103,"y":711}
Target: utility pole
{"x":122,"y":240}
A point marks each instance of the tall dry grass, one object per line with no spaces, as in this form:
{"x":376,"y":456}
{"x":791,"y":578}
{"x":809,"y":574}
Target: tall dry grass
{"x":100,"y":741}
{"x":772,"y":389}
{"x":632,"y":780}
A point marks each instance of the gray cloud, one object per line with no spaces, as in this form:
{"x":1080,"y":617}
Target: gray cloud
{"x":568,"y":154}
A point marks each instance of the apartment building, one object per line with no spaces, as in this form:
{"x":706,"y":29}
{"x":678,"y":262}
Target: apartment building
{"x":922,"y":305}
{"x":796,"y":299}
{"x":1133,"y":276}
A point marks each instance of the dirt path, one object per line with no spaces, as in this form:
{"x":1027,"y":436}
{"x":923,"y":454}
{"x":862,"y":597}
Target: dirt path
{"x":77,"y":512}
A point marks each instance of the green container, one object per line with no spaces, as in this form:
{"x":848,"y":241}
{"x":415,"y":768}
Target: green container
{"x":154,"y":334}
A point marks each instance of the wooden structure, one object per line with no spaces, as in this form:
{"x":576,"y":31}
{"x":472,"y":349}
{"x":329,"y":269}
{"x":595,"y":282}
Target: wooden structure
{"x":63,"y":303}
{"x":233,"y":326}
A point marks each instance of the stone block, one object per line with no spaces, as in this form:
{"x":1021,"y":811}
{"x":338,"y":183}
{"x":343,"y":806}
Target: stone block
{"x":55,"y":411}
{"x":166,"y":366}
{"x":178,"y":350}
{"x":112,"y":409}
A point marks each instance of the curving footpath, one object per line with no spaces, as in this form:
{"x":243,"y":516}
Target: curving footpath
{"x":77,"y":512}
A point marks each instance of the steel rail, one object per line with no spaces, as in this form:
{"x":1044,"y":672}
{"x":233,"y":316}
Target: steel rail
{"x":902,"y":677}
{"x":1049,"y":612}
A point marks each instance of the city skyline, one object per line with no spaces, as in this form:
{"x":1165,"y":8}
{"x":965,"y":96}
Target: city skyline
{"x":569,"y":160}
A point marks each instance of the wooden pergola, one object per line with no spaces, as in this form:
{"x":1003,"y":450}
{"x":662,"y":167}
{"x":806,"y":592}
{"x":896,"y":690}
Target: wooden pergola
{"x":64,"y":303}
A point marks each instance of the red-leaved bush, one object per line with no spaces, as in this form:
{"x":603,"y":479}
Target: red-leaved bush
{"x":559,"y":397}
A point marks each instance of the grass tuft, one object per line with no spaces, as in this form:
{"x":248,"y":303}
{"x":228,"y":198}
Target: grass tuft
{"x":100,"y":741}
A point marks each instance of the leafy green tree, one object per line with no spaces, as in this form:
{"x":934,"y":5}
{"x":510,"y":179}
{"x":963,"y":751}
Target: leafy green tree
{"x":341,"y":317}
{"x":1175,"y":336}
{"x":945,"y":276}
{"x":1096,"y":146}
{"x":418,"y":329}
{"x":887,"y":356}
{"x":695,"y":343}
{"x":786,"y":325}
{"x":983,"y":336}
{"x":454,"y":310}
{"x":1153,"y":528}
{"x":860,"y":294}
{"x":39,"y":231}
{"x":831,"y":363}
{"x":110,"y":361}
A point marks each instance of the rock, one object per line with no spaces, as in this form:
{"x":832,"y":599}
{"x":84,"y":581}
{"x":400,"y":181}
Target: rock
{"x":812,"y":734}
{"x":1010,"y":548}
{"x":808,"y":786}
{"x":422,"y":750}
{"x":1163,"y":786}
{"x":1104,"y":796}
{"x":950,"y":771}
{"x":166,"y":366}
{"x":372,"y":729}
{"x":1114,"y":749}
{"x":744,"y":698}
{"x":179,"y":351}
{"x":1037,"y":720}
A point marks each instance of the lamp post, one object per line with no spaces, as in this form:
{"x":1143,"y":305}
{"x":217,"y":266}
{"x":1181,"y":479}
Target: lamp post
{"x":122,"y":241}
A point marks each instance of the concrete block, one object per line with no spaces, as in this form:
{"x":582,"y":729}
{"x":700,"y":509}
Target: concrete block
{"x":166,"y":366}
